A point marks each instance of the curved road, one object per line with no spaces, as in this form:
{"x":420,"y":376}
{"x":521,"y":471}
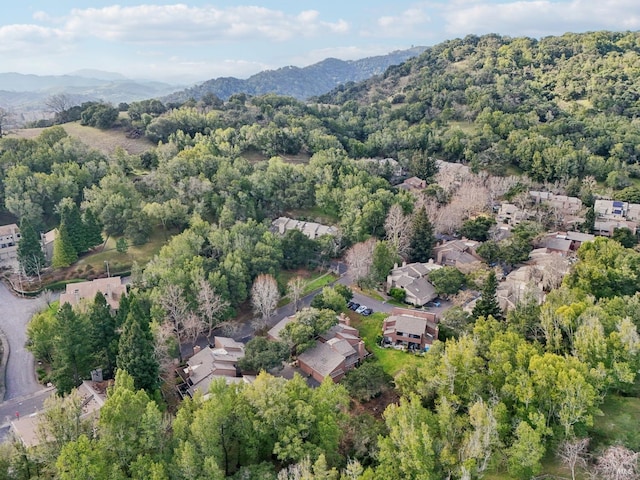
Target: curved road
{"x":15,"y":313}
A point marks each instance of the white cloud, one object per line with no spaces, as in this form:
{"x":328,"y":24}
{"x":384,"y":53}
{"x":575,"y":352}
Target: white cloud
{"x":179,"y":23}
{"x":411,"y":21}
{"x":18,"y":40}
{"x":543,"y":17}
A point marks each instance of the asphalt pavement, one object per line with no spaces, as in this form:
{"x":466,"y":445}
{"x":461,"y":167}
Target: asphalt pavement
{"x":15,"y":313}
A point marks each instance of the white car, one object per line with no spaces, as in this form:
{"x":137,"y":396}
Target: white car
{"x":361,"y":308}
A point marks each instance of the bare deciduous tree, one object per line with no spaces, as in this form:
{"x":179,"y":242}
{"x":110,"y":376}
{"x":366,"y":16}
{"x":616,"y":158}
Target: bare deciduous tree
{"x":58,"y":103}
{"x":210,"y":305}
{"x":5,"y":116}
{"x":618,"y":463}
{"x":264,"y":297}
{"x":295,"y":289}
{"x":176,"y":310}
{"x":398,"y":228}
{"x":573,"y":454}
{"x":359,"y":258}
{"x":162,"y":335}
{"x":193,"y":326}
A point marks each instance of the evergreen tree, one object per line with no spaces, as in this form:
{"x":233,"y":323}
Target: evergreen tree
{"x":589,"y":221}
{"x":423,"y":166}
{"x":30,"y":253}
{"x":71,"y":350}
{"x":488,"y":304}
{"x":103,"y":335}
{"x":64,"y":254}
{"x":136,"y":348}
{"x":422,"y":237}
{"x":70,"y":216}
{"x":92,"y":228}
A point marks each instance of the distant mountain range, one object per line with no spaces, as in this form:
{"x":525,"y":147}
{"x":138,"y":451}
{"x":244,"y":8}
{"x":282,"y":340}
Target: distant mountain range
{"x":301,"y":83}
{"x":26,"y":95}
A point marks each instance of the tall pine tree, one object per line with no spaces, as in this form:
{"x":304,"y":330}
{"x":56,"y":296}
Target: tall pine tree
{"x":93,"y":229}
{"x":64,"y":254}
{"x":422,"y":237}
{"x":136,"y":348}
{"x":488,"y":304}
{"x":70,"y":217}
{"x":72,"y":360}
{"x":30,"y":253}
{"x":103,"y":335}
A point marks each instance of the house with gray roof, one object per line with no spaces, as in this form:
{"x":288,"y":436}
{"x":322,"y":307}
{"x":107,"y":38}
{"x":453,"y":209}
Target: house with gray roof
{"x":412,"y":278}
{"x":209,"y":364}
{"x":312,"y":230}
{"x":337,"y":351}
{"x":411,"y":329}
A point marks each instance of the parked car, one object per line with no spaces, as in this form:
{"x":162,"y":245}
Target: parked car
{"x":367,"y":311}
{"x":354,"y":306}
{"x":361,"y":308}
{"x":350,"y":304}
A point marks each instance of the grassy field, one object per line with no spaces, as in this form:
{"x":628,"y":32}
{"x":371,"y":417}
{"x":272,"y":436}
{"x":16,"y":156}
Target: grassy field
{"x":95,"y":263}
{"x":315,"y":214}
{"x":315,"y":280}
{"x":618,"y":422}
{"x":105,"y":141}
{"x":392,"y":361}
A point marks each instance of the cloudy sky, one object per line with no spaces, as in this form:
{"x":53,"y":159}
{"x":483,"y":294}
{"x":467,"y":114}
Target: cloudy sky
{"x":198,"y":40}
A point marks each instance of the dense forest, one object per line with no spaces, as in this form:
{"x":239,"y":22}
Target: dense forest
{"x":499,"y":393}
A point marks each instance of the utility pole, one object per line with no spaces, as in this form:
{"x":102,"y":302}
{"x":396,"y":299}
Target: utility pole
{"x":107,"y":264}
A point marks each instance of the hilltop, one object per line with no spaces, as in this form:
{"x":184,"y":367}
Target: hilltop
{"x":298,"y":82}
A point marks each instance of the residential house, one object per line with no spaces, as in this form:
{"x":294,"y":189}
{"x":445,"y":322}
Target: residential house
{"x":413,"y":184}
{"x":310,"y":229}
{"x":563,"y":203}
{"x":412,"y":278}
{"x":337,"y":351}
{"x":92,"y":396}
{"x":274,"y":332}
{"x":414,"y":330}
{"x":566,"y":211}
{"x":458,"y":253}
{"x":211,"y":363}
{"x":47,"y":243}
{"x":612,"y":214}
{"x":111,"y":287}
{"x":510,"y":214}
{"x":564,"y":243}
{"x":9,"y":238}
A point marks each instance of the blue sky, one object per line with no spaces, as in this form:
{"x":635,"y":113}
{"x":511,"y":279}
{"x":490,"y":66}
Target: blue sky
{"x":198,"y":40}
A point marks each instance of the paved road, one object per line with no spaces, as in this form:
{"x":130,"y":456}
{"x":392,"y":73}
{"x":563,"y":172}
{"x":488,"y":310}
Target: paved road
{"x":15,"y":313}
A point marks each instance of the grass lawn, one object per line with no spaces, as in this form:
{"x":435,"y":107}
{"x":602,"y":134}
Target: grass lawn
{"x":315,"y":214}
{"x":392,"y":361}
{"x":315,"y":280}
{"x":618,"y":423}
{"x":121,"y":262}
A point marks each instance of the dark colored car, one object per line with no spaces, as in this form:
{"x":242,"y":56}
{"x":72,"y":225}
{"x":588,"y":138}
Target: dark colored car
{"x":367,"y":311}
{"x":354,"y":306}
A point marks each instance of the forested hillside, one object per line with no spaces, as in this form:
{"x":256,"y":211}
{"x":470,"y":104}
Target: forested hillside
{"x":555,"y":108}
{"x":506,"y":394}
{"x":298,"y":82}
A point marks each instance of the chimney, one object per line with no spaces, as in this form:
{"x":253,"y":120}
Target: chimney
{"x":361,"y":351}
{"x":404,"y":263}
{"x":76,"y":296}
{"x":395,"y":265}
{"x":345,"y":319}
{"x":196,"y":349}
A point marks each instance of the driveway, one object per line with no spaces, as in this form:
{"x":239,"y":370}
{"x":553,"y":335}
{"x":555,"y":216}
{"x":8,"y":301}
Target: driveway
{"x":15,"y":313}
